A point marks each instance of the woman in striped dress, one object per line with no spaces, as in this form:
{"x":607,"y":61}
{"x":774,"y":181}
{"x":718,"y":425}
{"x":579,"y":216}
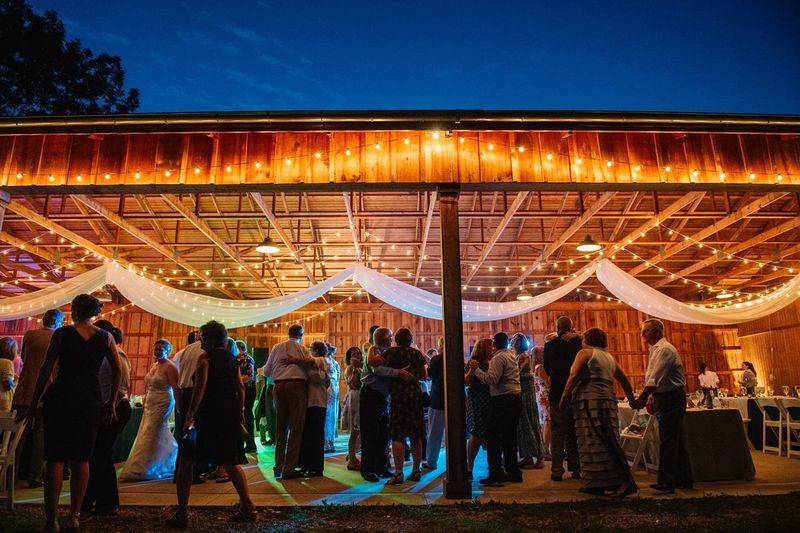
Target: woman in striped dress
{"x":603,"y":462}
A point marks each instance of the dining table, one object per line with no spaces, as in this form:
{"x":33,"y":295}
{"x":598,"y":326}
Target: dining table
{"x":715,"y":441}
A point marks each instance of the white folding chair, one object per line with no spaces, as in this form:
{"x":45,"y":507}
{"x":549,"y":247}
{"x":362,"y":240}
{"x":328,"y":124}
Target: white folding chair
{"x":637,"y":433}
{"x":773,"y":421}
{"x":790,"y":409}
{"x":10,"y":433}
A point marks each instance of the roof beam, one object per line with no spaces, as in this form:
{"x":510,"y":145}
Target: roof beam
{"x":425,"y":232}
{"x":169,"y":253}
{"x":735,"y":249}
{"x":519,"y":199}
{"x":563,"y":238}
{"x":734,"y":217}
{"x":352,"y":223}
{"x":44,"y":253}
{"x":284,"y":237}
{"x":206,"y":230}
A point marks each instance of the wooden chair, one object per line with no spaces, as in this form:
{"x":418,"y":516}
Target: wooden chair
{"x":773,"y":421}
{"x":10,"y":433}
{"x":637,"y":433}
{"x":790,"y":408}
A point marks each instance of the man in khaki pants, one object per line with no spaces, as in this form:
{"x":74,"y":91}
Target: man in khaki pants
{"x":291,"y":397}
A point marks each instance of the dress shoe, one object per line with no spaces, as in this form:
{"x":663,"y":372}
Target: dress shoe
{"x":292,"y":474}
{"x":663,"y":489}
{"x":592,"y":490}
{"x":371,"y":477}
{"x":426,"y":466}
{"x":386,"y":474}
{"x":576,"y":475}
{"x":312,"y":473}
{"x":514,"y":479}
{"x":492,"y":482}
{"x":276,"y":471}
{"x":556,"y":477}
{"x":35,"y":484}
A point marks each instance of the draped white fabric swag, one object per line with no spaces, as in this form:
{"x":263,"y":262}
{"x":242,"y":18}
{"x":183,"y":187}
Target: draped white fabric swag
{"x":193,"y":309}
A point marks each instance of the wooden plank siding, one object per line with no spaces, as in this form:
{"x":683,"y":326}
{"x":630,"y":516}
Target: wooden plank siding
{"x":398,"y":157}
{"x":349,"y":324}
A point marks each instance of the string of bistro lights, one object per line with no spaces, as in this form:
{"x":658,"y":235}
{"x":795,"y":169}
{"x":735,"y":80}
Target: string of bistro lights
{"x":577,"y":162}
{"x":740,"y":296}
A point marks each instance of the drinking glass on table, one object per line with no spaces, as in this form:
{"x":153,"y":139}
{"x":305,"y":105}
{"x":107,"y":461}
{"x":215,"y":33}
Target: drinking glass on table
{"x":786,"y":390}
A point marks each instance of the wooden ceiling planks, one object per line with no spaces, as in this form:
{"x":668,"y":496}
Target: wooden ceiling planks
{"x":322,"y":158}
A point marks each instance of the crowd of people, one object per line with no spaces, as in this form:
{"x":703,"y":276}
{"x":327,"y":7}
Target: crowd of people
{"x":526,"y":405}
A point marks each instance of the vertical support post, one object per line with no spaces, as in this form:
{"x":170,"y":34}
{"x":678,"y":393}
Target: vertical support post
{"x":456,"y":484}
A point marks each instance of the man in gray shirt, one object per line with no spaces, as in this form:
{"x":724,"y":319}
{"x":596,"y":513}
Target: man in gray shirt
{"x":666,"y":382}
{"x":505,"y":409}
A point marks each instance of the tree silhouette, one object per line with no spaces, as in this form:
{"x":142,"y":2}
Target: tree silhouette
{"x":43,"y":73}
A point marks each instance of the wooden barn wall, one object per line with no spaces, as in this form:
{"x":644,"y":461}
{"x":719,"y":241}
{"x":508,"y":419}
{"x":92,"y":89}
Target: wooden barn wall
{"x":348,"y":326}
{"x":233,"y":158}
{"x":772,"y":344}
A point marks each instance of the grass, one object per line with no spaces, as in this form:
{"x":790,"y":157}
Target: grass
{"x":718,"y":513}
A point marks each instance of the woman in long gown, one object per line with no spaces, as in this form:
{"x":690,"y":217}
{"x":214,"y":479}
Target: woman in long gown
{"x":73,"y":407}
{"x":155,"y":449}
{"x":353,"y":360}
{"x":332,"y":414}
{"x":603,"y":462}
{"x":529,"y":433}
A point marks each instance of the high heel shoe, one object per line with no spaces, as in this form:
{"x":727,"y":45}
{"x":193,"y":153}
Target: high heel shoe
{"x":73,"y":523}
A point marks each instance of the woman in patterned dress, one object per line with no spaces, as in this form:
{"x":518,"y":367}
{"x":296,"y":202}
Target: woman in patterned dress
{"x":477,"y":402}
{"x":542,"y":382}
{"x":406,"y":420}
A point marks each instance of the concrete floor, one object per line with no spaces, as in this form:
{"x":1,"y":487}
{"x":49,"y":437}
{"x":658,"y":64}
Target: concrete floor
{"x":774,"y":475}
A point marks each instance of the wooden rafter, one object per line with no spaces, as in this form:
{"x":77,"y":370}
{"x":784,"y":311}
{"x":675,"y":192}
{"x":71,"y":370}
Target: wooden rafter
{"x":425,"y":232}
{"x":206,"y":230}
{"x":351,"y":221}
{"x":734,"y":217}
{"x":565,"y":235}
{"x":284,"y":237}
{"x":159,"y":247}
{"x":519,"y":199}
{"x":41,"y":252}
{"x":734,"y":249}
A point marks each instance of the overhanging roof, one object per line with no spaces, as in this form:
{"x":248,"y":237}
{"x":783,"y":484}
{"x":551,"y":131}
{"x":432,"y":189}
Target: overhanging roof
{"x":382,"y":120}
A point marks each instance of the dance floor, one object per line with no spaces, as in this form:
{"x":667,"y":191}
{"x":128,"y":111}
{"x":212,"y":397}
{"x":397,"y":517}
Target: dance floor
{"x":774,"y":475}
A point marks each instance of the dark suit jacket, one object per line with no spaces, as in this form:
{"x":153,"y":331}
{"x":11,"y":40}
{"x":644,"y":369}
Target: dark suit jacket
{"x":558,"y":358}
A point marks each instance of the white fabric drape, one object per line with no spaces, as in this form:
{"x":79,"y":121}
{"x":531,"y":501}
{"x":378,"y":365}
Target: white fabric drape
{"x":649,"y":300}
{"x":194,"y":309}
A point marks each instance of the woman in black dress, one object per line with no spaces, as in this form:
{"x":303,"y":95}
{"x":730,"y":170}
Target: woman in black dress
{"x":73,"y":409}
{"x":216,"y":412}
{"x":478,"y":395}
{"x":406,"y":420}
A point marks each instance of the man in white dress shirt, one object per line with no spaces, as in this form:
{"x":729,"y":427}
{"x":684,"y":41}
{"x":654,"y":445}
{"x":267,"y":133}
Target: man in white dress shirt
{"x":505,"y":409}
{"x":666,"y":382}
{"x":291,"y":400}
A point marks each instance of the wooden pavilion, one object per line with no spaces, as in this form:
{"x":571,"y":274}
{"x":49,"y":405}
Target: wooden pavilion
{"x":484,"y":205}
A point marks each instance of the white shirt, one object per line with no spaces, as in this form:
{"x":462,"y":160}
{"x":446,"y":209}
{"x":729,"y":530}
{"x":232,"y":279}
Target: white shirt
{"x":503,"y":374}
{"x":317,"y":386}
{"x":708,"y":380}
{"x":284,"y":350}
{"x":664,"y":368}
{"x":186,"y":361}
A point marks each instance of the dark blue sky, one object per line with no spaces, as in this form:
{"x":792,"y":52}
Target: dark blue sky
{"x":728,"y":56}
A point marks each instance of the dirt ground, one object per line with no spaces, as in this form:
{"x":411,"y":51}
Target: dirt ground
{"x":723,"y":513}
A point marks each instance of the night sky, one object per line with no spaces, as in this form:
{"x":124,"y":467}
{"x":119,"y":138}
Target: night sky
{"x":716,"y":56}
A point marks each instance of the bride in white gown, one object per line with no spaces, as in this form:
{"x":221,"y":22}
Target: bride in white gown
{"x":155,"y":449}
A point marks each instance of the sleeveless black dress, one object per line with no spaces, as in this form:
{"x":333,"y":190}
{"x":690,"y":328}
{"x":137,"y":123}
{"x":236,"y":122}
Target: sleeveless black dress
{"x":219,"y":417}
{"x":72,"y":404}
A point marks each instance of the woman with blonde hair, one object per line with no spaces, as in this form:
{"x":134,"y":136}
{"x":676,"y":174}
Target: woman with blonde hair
{"x":8,"y":377}
{"x":478,"y":404}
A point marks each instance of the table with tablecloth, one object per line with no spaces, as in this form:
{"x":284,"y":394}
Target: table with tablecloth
{"x":715,"y":442}
{"x":750,"y":412}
